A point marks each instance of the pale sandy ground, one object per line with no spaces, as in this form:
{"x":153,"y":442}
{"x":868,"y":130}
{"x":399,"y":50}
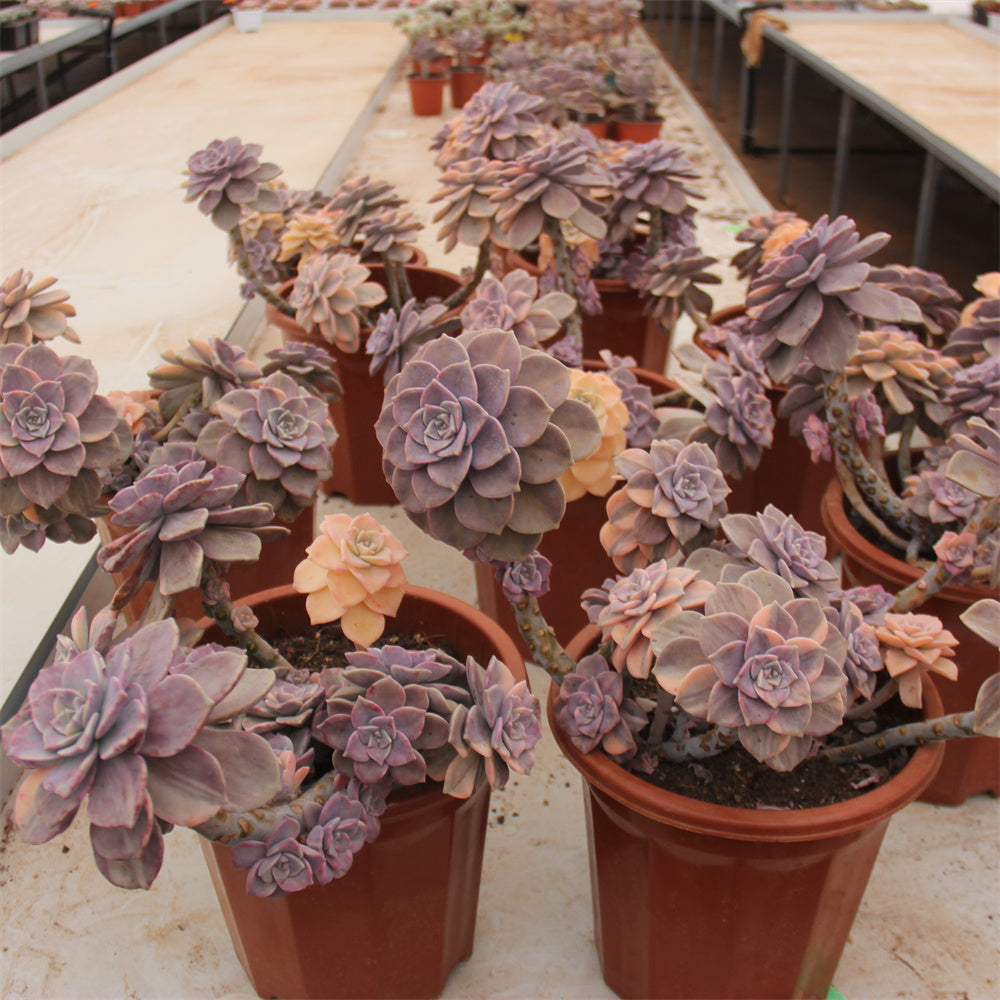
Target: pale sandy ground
{"x":927,"y":927}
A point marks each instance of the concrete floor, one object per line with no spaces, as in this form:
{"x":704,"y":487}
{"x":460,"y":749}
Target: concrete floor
{"x":928,"y":927}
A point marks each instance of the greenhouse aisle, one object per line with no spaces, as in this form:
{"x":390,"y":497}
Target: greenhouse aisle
{"x":928,"y":926}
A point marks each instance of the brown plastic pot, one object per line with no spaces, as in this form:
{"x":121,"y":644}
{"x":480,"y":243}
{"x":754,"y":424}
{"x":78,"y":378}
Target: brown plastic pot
{"x":694,"y":901}
{"x":622,"y":327}
{"x":404,"y":915}
{"x":465,"y":83}
{"x":970,"y":766}
{"x":427,"y":94}
{"x":574,"y":549}
{"x":357,"y":454}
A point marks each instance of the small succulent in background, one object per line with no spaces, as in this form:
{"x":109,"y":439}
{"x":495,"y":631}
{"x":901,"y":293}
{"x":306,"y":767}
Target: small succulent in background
{"x":758,"y":232}
{"x":310,"y":366}
{"x":513,"y":303}
{"x":498,"y":123}
{"x":397,"y":335}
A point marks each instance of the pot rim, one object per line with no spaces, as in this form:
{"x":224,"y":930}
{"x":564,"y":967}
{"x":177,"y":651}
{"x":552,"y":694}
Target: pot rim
{"x":855,"y":545}
{"x":731,"y":822}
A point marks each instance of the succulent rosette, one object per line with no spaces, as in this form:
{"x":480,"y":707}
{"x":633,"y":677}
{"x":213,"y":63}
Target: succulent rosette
{"x":330,"y":294}
{"x":630,"y":610}
{"x":916,"y":645}
{"x":468,"y":216}
{"x":58,"y":437}
{"x":499,"y":123}
{"x":134,"y":729}
{"x":279,"y":436}
{"x":311,"y":366}
{"x":280,"y":863}
{"x":778,"y":543}
{"x":396,"y":336}
{"x":773,"y":672}
{"x":178,"y":517}
{"x":33,"y":311}
{"x":352,"y":574}
{"x":226,"y":178}
{"x":596,"y":474}
{"x":513,"y":303}
{"x":807,"y":302}
{"x":674,"y":496}
{"x":527,"y":577}
{"x":497,"y":733}
{"x":591,"y":708}
{"x":476,"y":431}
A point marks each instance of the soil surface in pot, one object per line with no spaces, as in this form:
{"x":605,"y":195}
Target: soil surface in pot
{"x":734,"y":778}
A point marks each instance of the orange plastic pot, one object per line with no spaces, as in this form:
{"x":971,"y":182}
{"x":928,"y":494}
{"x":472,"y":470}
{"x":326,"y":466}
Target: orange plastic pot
{"x":622,"y":327}
{"x":574,"y":549}
{"x":694,"y":901}
{"x":647,"y":131}
{"x":357,"y":454}
{"x":426,"y":94}
{"x":404,"y":915}
{"x":464,"y":83}
{"x":970,"y":766}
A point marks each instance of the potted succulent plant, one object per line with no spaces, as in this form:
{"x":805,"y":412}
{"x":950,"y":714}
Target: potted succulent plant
{"x":289,"y":765}
{"x":329,"y":268}
{"x":428,"y":62}
{"x":880,"y":377}
{"x":725,"y":645}
{"x":638,"y":85}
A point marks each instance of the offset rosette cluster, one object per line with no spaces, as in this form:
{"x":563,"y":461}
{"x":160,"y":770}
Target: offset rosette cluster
{"x":476,"y":431}
{"x":133,"y":729}
{"x":311,"y":366}
{"x":758,"y":232}
{"x":499,"y":123}
{"x":357,"y":200}
{"x":330,"y":294}
{"x":916,"y":645}
{"x":761,"y":662}
{"x":33,"y":311}
{"x":629,"y":610}
{"x":672,"y":278}
{"x":939,"y":303}
{"x":674,"y":497}
{"x":513,"y":303}
{"x":591,"y":708}
{"x":279,"y":436}
{"x":807,"y":302}
{"x":496,"y":734}
{"x":227,"y":178}
{"x":58,"y":437}
{"x":397,"y":335}
{"x":468,"y":216}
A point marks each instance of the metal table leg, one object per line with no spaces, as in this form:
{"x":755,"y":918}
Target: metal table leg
{"x":695,"y":25}
{"x":717,"y":63}
{"x":925,"y":211}
{"x":675,"y":37}
{"x":843,"y":153}
{"x":785,"y":128}
{"x":40,"y":87}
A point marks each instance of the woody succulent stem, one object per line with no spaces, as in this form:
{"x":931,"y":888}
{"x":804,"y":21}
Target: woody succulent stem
{"x":949,"y":727}
{"x":546,"y":649}
{"x":246,"y":268}
{"x":560,"y":251}
{"x":715,"y":741}
{"x":461,"y":295}
{"x":875,"y":491}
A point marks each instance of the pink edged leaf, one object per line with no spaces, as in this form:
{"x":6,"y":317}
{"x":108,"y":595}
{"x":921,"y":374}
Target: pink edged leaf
{"x":986,"y":717}
{"x":119,"y":843}
{"x":38,"y":813}
{"x":186,"y":789}
{"x":251,"y":770}
{"x":178,"y":708}
{"x":119,"y":791}
{"x":137,"y":872}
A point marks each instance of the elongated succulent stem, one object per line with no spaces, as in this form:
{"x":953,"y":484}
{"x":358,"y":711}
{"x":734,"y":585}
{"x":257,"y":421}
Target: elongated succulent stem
{"x":876,"y":491}
{"x":182,"y":411}
{"x":546,"y":649}
{"x":947,"y":727}
{"x":245,"y":267}
{"x":560,"y":251}
{"x":257,"y":648}
{"x":233,"y":828}
{"x":655,"y":231}
{"x":879,"y":698}
{"x":715,"y":741}
{"x":699,"y":321}
{"x":904,"y":459}
{"x":461,"y":295}
{"x":396,"y":282}
{"x":856,"y":500}
{"x":937,"y":575}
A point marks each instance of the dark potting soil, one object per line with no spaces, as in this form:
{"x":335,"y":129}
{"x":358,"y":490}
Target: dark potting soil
{"x":734,"y":778}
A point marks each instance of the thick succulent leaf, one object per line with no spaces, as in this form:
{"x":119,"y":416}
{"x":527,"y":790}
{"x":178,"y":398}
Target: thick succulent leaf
{"x":138,"y":872}
{"x":186,"y":789}
{"x":119,"y":791}
{"x":986,"y":717}
{"x":974,"y":472}
{"x":249,"y":689}
{"x":119,"y":843}
{"x":178,"y":708}
{"x":251,"y":769}
{"x":39,"y":814}
{"x":983,"y":618}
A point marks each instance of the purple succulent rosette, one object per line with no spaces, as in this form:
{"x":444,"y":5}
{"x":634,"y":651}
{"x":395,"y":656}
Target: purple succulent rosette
{"x":397,"y":335}
{"x":807,"y":301}
{"x":863,"y":660}
{"x":591,"y":708}
{"x":475,"y":432}
{"x":761,"y":662}
{"x":134,"y":729}
{"x":279,"y":436}
{"x":280,"y":863}
{"x":496,"y":734}
{"x":499,"y":122}
{"x":227,"y":177}
{"x":58,"y":437}
{"x":527,"y":577}
{"x":310,"y":365}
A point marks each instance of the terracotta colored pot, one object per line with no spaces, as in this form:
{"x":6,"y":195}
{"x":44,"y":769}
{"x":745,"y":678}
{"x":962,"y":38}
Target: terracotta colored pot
{"x":404,"y":915}
{"x":600,"y":129}
{"x":787,"y":476}
{"x":694,"y":901}
{"x":574,"y":549}
{"x":648,"y":131}
{"x":970,"y":766}
{"x":357,"y":455}
{"x":426,"y":94}
{"x":622,"y":327}
{"x":464,"y":83}
{"x":128,"y":9}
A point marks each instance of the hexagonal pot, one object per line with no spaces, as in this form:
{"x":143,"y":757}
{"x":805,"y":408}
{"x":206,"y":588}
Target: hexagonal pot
{"x":694,"y":901}
{"x":404,"y":915}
